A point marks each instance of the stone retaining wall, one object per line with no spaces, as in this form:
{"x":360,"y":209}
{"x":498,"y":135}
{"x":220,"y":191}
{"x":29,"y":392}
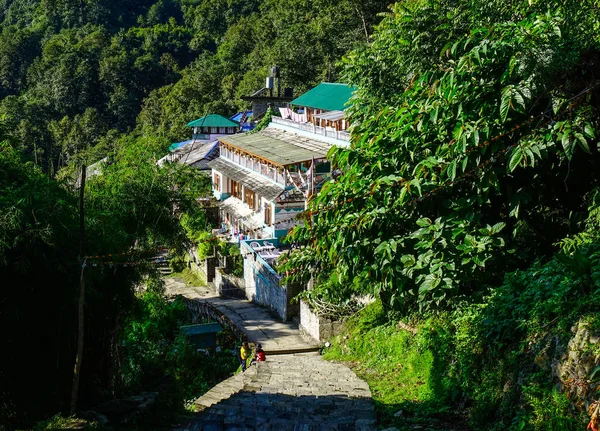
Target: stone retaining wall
{"x":319,"y":328}
{"x":205,"y":310}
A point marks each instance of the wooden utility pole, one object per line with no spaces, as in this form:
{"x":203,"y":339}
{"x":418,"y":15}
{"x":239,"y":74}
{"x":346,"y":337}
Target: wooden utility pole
{"x":80,"y":312}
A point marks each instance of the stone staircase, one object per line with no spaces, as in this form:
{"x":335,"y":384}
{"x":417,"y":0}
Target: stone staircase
{"x":162,"y":263}
{"x":288,"y":392}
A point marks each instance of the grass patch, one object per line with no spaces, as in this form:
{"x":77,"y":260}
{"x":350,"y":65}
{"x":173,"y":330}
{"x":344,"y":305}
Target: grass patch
{"x":190,"y":278}
{"x":401,"y":369}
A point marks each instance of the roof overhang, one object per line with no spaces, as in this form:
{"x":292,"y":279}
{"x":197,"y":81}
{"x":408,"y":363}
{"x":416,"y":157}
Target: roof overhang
{"x":235,"y":207}
{"x":257,"y":183}
{"x":331,"y":115}
{"x":278,"y":147}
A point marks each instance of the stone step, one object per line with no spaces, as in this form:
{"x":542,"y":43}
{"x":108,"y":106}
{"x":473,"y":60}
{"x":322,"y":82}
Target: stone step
{"x":288,"y":392}
{"x":292,"y":350}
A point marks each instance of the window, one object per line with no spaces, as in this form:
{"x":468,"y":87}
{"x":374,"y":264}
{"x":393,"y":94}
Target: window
{"x":236,"y":189}
{"x":217,"y":182}
{"x":221,"y":129}
{"x":268,"y":215}
{"x":213,"y":130}
{"x":249,"y":198}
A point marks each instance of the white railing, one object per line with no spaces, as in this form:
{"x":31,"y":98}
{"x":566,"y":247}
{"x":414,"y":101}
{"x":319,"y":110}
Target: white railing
{"x":311,"y":128}
{"x":254,"y":165}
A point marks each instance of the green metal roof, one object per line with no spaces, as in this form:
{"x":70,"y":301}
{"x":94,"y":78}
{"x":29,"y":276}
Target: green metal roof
{"x":213,"y":120}
{"x":329,"y":96}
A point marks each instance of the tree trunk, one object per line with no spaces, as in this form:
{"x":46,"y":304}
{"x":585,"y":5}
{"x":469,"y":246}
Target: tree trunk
{"x":80,"y":314}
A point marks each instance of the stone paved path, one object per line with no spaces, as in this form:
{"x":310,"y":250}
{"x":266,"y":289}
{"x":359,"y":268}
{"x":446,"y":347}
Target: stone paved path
{"x":258,"y":323}
{"x":295,"y":392}
{"x":287,"y":392}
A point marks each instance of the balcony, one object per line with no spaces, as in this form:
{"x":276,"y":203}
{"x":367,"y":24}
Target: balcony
{"x":311,"y":128}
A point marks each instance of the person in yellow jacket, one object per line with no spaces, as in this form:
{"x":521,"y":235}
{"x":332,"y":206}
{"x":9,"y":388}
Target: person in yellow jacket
{"x":245,"y":353}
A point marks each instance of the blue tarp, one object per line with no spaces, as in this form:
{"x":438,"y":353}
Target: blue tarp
{"x":178,"y":144}
{"x":237,"y":117}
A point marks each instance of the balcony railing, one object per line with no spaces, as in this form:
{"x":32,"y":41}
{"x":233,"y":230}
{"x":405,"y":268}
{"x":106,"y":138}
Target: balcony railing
{"x":255,"y":166}
{"x":311,"y":128}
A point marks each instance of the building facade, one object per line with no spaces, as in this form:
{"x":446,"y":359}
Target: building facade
{"x":204,"y":145}
{"x":264,"y":179}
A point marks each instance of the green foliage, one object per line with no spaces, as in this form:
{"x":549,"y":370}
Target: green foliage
{"x":491,"y":358}
{"x":129,"y":205}
{"x":60,"y":423}
{"x":468,"y":120}
{"x":264,"y":122}
{"x":191,"y":277}
{"x":551,"y":411}
{"x":404,"y":371}
{"x":153,"y":347}
{"x":235,"y":261}
{"x":206,"y":245}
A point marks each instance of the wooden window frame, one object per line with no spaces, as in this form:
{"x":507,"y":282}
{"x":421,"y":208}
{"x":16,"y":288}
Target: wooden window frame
{"x":249,"y":198}
{"x":236,"y":189}
{"x":268,"y":214}
{"x":217,"y":182}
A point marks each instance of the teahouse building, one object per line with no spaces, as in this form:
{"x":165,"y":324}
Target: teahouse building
{"x":264,"y":179}
{"x":204,"y":145}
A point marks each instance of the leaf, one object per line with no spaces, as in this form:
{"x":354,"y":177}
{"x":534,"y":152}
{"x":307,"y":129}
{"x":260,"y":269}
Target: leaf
{"x":408,"y":260}
{"x":595,"y":374}
{"x":582,"y":142}
{"x":498,"y":227}
{"x":478,"y":261}
{"x":424,"y":222}
{"x":465,"y":162}
{"x":451,"y":171}
{"x":588,"y":130}
{"x":417,"y":183}
{"x":505,"y":106}
{"x":557,"y":103}
{"x":566,"y":143}
{"x":430,"y":283}
{"x":515,"y":159}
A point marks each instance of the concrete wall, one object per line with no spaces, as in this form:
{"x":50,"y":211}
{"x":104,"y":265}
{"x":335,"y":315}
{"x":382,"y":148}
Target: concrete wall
{"x":208,"y":266}
{"x":319,"y":328}
{"x":263,"y":284}
{"x":228,"y":286}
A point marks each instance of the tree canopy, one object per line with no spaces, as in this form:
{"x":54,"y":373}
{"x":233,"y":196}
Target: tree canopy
{"x":473,"y":151}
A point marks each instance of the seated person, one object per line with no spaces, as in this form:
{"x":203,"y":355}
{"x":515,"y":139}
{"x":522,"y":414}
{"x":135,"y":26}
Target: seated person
{"x":259,"y":356}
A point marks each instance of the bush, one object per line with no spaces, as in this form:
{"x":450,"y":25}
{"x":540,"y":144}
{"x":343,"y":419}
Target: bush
{"x":153,"y":347}
{"x":60,"y":423}
{"x":490,"y":360}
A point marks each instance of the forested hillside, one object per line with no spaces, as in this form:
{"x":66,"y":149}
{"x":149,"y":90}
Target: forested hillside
{"x":74,"y":75}
{"x":467,"y":203}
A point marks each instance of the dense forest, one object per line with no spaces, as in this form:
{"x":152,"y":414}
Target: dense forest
{"x":85,"y":80}
{"x":74,"y":75}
